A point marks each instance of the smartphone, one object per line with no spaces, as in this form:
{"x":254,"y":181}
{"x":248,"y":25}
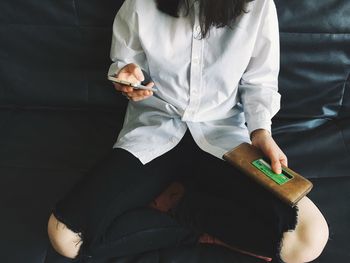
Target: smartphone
{"x":135,"y":86}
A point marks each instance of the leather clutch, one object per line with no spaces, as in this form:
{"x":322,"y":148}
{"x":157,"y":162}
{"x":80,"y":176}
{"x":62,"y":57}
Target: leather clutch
{"x":289,"y":186}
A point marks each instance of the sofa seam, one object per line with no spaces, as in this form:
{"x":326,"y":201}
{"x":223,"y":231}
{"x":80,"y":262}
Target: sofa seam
{"x":50,"y":108}
{"x":106,"y":27}
{"x":346,"y":82}
{"x":316,"y":33}
{"x":342,"y":136}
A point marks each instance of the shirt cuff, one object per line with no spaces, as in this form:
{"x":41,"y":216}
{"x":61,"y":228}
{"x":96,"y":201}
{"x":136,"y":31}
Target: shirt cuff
{"x":259,"y":122}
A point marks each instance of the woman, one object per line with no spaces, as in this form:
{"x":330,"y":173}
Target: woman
{"x":215,"y":65}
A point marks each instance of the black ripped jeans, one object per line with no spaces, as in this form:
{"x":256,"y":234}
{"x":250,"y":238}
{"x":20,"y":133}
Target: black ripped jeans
{"x":109,"y":206}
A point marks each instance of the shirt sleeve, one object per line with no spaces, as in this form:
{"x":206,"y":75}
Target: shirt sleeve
{"x":258,"y":86}
{"x":126,"y":47}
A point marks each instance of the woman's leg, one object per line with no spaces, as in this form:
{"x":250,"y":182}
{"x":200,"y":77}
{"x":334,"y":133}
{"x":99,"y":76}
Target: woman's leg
{"x":226,"y":204}
{"x":115,"y":185}
{"x":141,"y":230}
{"x":119,"y":183}
{"x":134,"y":232}
{"x":310,"y":236}
{"x":230,"y":221}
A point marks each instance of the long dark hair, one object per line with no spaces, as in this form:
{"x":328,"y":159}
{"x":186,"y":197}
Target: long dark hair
{"x":218,"y":13}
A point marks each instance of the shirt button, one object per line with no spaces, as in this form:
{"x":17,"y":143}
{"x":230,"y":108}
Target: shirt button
{"x":195,"y":61}
{"x":173,"y":139}
{"x":197,"y":29}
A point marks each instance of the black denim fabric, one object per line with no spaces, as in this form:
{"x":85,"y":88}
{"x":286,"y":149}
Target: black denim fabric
{"x":109,"y":206}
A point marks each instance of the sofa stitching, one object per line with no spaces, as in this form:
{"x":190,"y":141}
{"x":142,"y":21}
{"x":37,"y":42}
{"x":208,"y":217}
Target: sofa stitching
{"x":75,"y":13}
{"x":78,"y":26}
{"x":346,"y":83}
{"x":343,"y":137}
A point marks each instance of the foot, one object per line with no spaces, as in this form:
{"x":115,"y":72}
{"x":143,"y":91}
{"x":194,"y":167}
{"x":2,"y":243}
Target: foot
{"x":168,"y":198}
{"x":208,"y":239}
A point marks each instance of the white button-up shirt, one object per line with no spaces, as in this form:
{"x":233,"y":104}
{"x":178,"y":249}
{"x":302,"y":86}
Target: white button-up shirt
{"x":212,"y":86}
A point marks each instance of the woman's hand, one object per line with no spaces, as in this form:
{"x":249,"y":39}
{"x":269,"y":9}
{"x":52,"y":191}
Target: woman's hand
{"x":132,"y":73}
{"x":262,"y":139}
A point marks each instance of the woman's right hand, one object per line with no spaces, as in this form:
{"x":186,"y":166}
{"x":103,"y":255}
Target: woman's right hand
{"x":132,"y":73}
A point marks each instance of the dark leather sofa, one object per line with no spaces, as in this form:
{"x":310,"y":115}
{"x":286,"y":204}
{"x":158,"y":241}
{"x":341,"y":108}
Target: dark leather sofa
{"x":59,"y":115}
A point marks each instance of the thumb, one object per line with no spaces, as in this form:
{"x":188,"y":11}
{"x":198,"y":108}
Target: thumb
{"x":136,"y":70}
{"x":276,"y":165}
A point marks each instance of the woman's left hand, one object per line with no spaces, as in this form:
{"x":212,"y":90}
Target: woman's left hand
{"x":262,"y":139}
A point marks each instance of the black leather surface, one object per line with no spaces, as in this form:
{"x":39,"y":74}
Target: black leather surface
{"x":315,"y":61}
{"x":56,"y":53}
{"x":59,"y":115}
{"x":315,"y":147}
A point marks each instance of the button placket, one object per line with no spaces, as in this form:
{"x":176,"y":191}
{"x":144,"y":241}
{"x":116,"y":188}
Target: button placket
{"x":195,"y":60}
{"x":195,"y":67}
{"x":196,"y":91}
{"x":195,"y":74}
{"x":197,"y":29}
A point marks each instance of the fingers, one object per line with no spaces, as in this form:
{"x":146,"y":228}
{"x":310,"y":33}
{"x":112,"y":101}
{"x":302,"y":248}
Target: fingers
{"x":273,"y":152}
{"x":136,"y":96}
{"x":277,"y":160}
{"x":132,"y":73}
{"x":138,"y":73}
{"x":276,"y":165}
{"x":284,"y":160}
{"x":140,"y":94}
{"x":122,"y":88}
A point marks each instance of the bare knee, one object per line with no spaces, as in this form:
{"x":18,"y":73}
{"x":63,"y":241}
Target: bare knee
{"x":310,"y":236}
{"x":63,"y":240}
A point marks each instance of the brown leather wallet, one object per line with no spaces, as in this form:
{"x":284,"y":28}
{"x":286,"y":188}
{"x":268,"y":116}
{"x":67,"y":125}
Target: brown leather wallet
{"x":289,"y":186}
